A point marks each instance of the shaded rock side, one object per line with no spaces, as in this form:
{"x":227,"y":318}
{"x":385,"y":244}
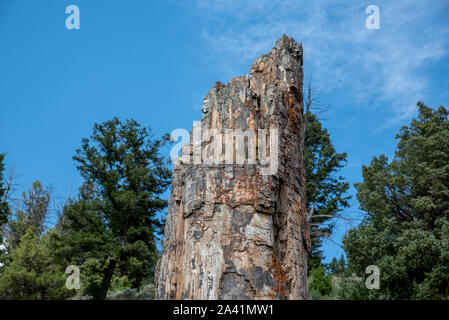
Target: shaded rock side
{"x":239,"y":231}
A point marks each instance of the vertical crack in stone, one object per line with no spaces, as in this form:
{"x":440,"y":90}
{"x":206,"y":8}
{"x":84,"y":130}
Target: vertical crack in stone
{"x":236,"y":226}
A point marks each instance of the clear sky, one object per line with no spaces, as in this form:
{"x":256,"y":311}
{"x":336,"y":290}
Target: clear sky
{"x":154,"y":61}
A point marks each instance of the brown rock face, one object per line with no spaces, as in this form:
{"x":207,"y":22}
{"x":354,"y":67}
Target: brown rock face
{"x":236,"y":224}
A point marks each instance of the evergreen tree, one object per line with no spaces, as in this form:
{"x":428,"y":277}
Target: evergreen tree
{"x":31,"y":274}
{"x":35,"y":204}
{"x":111,"y":228}
{"x":405,"y":231}
{"x":85,"y":240}
{"x":337,"y":267}
{"x":325,"y":192}
{"x":321,"y":282}
{"x":4,"y":210}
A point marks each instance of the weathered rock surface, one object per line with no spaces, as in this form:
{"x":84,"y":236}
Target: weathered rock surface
{"x":236,"y":229}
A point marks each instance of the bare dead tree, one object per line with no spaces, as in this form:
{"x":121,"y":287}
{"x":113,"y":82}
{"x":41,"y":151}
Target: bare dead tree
{"x":9,"y":185}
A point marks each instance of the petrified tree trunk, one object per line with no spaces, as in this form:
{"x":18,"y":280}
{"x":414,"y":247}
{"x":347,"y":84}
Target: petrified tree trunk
{"x":236,"y":225}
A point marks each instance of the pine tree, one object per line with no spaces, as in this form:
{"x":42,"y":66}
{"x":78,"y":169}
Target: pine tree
{"x":31,"y":274}
{"x":4,"y":212}
{"x":405,"y":231}
{"x":337,"y":267}
{"x":321,"y":282}
{"x":33,"y":213}
{"x":4,"y":208}
{"x":325,"y":191}
{"x":111,"y":229}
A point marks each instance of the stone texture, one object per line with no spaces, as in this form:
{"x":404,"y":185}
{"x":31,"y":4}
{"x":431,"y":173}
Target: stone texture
{"x":232,"y":231}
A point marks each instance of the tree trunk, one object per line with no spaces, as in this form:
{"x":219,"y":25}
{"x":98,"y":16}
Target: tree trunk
{"x":107,"y":278}
{"x":240,"y":230}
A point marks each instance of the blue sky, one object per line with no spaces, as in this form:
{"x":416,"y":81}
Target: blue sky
{"x":154,"y":61}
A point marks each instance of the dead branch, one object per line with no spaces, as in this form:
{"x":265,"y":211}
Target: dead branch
{"x":9,"y":184}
